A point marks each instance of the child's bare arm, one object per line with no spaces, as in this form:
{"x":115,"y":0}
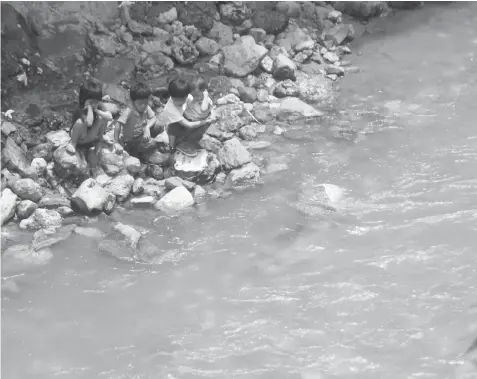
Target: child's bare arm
{"x":193,"y":124}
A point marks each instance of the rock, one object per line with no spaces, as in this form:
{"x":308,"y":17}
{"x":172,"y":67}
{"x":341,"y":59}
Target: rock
{"x":295,"y":38}
{"x":111,"y":162}
{"x":7,"y":128}
{"x":273,"y":168}
{"x":334,"y":16}
{"x":210,"y":143}
{"x":53,"y":201}
{"x":405,"y":4}
{"x":198,"y":13}
{"x":246,"y":174}
{"x":271,"y":21}
{"x":314,"y":88}
{"x":243,"y":57}
{"x":290,"y":8}
{"x":302,"y":56}
{"x":316,"y":199}
{"x":362,"y":10}
{"x":284,"y":68}
{"x":331,"y":57}
{"x":190,"y":168}
{"x":292,"y":108}
{"x":143,"y":201}
{"x":157,"y":158}
{"x":183,"y":50}
{"x":154,"y":188}
{"x":228,"y":99}
{"x":266,"y":64}
{"x":19,"y":255}
{"x":175,"y":182}
{"x":14,"y":158}
{"x":28,"y":189}
{"x":121,"y":186}
{"x":8,"y":206}
{"x":338,"y":34}
{"x":133,"y":165}
{"x":140,"y":28}
{"x":257,"y":145}
{"x":103,"y":180}
{"x":48,"y":237}
{"x":277,"y":131}
{"x":90,"y":197}
{"x":207,"y":46}
{"x":117,"y":249}
{"x":248,"y":133}
{"x":168,"y":17}
{"x":262,"y":95}
{"x":58,"y":138}
{"x":100,"y":45}
{"x":155,"y":63}
{"x":258,"y":34}
{"x":89,"y":232}
{"x":39,"y":165}
{"x":234,"y":13}
{"x":155,"y":171}
{"x":221,"y":33}
{"x":65,"y":211}
{"x":233,"y":154}
{"x":247,"y":94}
{"x":42,"y":150}
{"x":138,"y":186}
{"x":69,"y":165}
{"x":176,"y":200}
{"x":334,"y":70}
{"x":286,"y":88}
{"x":156,"y":46}
{"x":42,"y":219}
{"x":199,"y":194}
{"x":25,"y":209}
{"x":131,"y":235}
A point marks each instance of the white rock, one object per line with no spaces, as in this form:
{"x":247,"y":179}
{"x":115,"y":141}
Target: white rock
{"x":131,"y":234}
{"x":39,"y":164}
{"x":42,"y":219}
{"x":133,"y":165}
{"x":143,"y":201}
{"x":58,"y":138}
{"x":91,"y":197}
{"x":8,"y":206}
{"x":176,"y":200}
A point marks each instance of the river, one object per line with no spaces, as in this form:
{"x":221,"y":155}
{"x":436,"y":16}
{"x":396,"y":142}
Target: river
{"x":249,"y":287}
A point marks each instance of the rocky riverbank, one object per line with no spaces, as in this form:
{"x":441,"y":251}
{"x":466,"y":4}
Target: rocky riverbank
{"x":269,"y":64}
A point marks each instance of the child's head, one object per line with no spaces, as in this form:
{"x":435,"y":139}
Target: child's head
{"x":90,"y":90}
{"x":140,"y":94}
{"x":198,"y":86}
{"x":179,"y":90}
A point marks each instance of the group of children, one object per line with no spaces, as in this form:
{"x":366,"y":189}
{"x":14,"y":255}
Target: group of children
{"x":186,"y":117}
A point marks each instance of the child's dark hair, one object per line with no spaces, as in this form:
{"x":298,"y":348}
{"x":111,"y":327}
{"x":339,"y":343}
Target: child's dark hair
{"x":199,"y":84}
{"x":140,"y":91}
{"x":90,"y":89}
{"x":179,"y":88}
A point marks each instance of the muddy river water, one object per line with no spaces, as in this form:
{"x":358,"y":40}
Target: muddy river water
{"x":249,"y":287}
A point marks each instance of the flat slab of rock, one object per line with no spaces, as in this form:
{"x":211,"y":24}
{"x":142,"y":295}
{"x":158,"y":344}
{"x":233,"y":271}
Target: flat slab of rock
{"x":48,"y":237}
{"x":143,"y":201}
{"x":176,"y":200}
{"x":190,"y":167}
{"x":53,"y":201}
{"x":292,"y":109}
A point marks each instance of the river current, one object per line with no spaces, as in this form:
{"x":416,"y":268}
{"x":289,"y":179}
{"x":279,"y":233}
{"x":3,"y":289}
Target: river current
{"x":250,"y":287}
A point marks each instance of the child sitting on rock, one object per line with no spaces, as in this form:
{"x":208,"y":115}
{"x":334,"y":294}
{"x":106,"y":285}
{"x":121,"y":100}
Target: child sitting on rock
{"x":90,"y":119}
{"x":178,"y":126}
{"x":137,"y":124}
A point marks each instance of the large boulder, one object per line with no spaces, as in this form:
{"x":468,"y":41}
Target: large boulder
{"x":70,"y":165}
{"x":58,"y":138}
{"x":8,"y":206}
{"x":42,"y":219}
{"x":314,"y":88}
{"x":291,"y":109}
{"x":271,"y":21}
{"x":90,"y":197}
{"x":121,"y":186}
{"x":28,"y":189}
{"x":111,"y":162}
{"x":176,"y":200}
{"x":233,"y":154}
{"x":198,"y":13}
{"x":243,"y":57}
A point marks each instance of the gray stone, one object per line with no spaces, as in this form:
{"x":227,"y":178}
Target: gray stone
{"x":42,"y":219}
{"x":28,"y":189}
{"x":176,"y":200}
{"x":8,"y":206}
{"x":25,"y":209}
{"x":247,"y":174}
{"x":243,"y":57}
{"x":233,"y":154}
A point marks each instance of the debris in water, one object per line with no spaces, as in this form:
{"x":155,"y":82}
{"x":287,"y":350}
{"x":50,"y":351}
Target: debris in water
{"x":8,"y":114}
{"x":39,"y":71}
{"x":22,"y":78}
{"x":25,"y":61}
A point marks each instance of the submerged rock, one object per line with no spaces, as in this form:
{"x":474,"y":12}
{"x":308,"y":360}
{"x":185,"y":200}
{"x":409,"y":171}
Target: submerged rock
{"x":293,"y":109}
{"x":176,"y":200}
{"x":49,"y":237}
{"x":131,"y":235}
{"x":247,"y":174}
{"x":21,"y":255}
{"x":42,"y":219}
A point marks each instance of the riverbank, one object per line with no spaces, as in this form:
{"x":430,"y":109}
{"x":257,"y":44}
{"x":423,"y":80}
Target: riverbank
{"x":268,"y":67}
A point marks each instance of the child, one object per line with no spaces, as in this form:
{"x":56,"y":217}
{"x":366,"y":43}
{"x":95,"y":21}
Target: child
{"x":198,"y":109}
{"x":138,"y":123}
{"x":178,"y":127}
{"x":89,"y":119}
